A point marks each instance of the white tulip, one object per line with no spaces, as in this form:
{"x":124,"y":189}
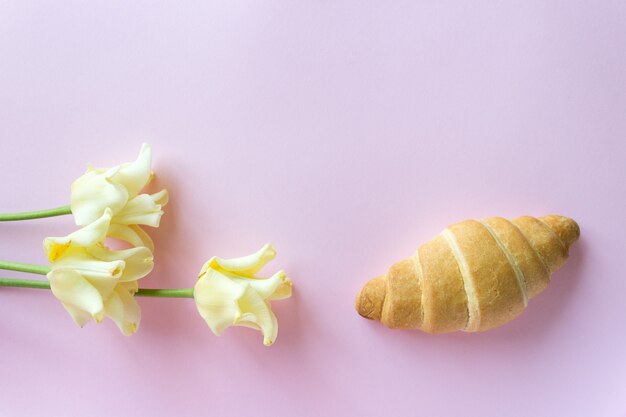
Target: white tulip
{"x":118,"y":189}
{"x":227,"y":293}
{"x":93,"y":281}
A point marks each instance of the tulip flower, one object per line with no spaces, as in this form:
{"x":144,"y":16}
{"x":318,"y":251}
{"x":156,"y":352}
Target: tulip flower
{"x":118,"y":189}
{"x":93,"y":281}
{"x":228,"y":293}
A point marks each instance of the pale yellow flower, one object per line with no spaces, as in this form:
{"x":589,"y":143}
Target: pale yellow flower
{"x":118,"y":189}
{"x":227,"y":293}
{"x":93,"y":281}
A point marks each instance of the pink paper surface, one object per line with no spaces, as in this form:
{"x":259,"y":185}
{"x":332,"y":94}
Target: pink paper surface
{"x":345,"y":133}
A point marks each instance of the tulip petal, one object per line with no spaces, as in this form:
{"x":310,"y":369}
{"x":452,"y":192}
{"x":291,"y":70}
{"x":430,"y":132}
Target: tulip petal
{"x":89,"y":235}
{"x":92,"y":233}
{"x":74,"y":290}
{"x":85,"y":263}
{"x":257,"y":314}
{"x":283,"y":291}
{"x":138,"y":262}
{"x":131,"y":286}
{"x":142,"y":209}
{"x":92,"y":193}
{"x":132,"y":311}
{"x":80,"y":317}
{"x":277,"y":287}
{"x":114,"y":309}
{"x":131,"y":234}
{"x":247,"y":265}
{"x":103,"y":275}
{"x":161,"y":198}
{"x":124,"y":310}
{"x":135,"y":175}
{"x":215,"y":297}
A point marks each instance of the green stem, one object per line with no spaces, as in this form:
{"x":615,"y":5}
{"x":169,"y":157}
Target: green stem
{"x":28,"y":215}
{"x":25,"y":283}
{"x":143,"y":292}
{"x":18,"y":266}
{"x":165,"y":292}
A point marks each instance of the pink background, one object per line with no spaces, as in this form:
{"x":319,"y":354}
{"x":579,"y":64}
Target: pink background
{"x":346,"y":133}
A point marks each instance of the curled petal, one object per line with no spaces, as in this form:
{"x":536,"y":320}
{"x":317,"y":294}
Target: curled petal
{"x":137,"y":262}
{"x":161,"y":198}
{"x":92,"y":193}
{"x":135,"y":175}
{"x":283,"y":291}
{"x":103,"y":275}
{"x":124,"y":310}
{"x":215,"y":297}
{"x":277,"y":287}
{"x":143,"y":209}
{"x":89,"y":235}
{"x":73,"y":290}
{"x":245,"y":266}
{"x":80,"y":317}
{"x":132,"y":234}
{"x":257,"y":314}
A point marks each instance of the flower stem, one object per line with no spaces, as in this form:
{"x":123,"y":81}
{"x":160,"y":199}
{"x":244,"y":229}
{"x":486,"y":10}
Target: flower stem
{"x":18,"y":266}
{"x":28,"y":215}
{"x":165,"y":292}
{"x":143,"y":292}
{"x":25,"y":283}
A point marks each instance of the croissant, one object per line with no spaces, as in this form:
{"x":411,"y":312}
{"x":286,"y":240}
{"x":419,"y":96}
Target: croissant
{"x":474,"y":276}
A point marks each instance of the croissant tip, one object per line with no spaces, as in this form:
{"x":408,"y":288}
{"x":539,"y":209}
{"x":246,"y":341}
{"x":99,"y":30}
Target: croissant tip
{"x":566,"y":228}
{"x":369,"y":302}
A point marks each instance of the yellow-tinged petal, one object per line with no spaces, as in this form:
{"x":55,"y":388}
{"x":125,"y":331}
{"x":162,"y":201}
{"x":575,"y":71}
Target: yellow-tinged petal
{"x":216,"y":299}
{"x":96,"y":297}
{"x":142,"y":209}
{"x":135,"y":175}
{"x":132,"y":312}
{"x":161,"y":198}
{"x":246,"y":266}
{"x":89,"y":235}
{"x":131,"y":286}
{"x":137,"y":262}
{"x":93,"y":192}
{"x":114,"y":309}
{"x":277,"y":287}
{"x":256,"y":313}
{"x":103,"y":275}
{"x":80,"y":317}
{"x":132,"y":234}
{"x":74,"y":290}
{"x":124,"y":310}
{"x":283,"y":291}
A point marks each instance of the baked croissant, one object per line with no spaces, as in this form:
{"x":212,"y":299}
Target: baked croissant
{"x":475,"y":275}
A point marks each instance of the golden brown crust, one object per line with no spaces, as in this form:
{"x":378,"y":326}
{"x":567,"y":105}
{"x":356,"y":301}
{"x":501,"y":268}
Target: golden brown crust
{"x":544,"y":240}
{"x":403,"y":306}
{"x":369,"y":301}
{"x":500,"y":298}
{"x":473,"y":276}
{"x":535,"y":273}
{"x":445,"y":300}
{"x":565,"y":228}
